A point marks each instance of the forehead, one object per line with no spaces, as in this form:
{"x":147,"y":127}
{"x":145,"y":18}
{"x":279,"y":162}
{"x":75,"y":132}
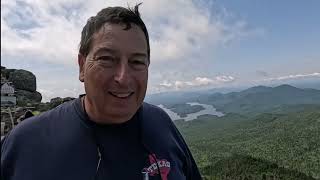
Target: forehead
{"x":114,"y":36}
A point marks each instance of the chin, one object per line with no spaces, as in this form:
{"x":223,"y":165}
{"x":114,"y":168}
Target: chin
{"x":120,"y":119}
{"x":121,"y":114}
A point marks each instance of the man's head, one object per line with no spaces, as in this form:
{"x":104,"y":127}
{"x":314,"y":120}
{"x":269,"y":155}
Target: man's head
{"x":112,"y":15}
{"x":113,"y":58}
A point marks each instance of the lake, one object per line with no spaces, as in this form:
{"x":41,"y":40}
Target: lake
{"x":208,"y":109}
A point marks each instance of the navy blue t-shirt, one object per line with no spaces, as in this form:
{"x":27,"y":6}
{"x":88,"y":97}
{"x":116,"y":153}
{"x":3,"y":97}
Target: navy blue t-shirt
{"x":64,"y":144}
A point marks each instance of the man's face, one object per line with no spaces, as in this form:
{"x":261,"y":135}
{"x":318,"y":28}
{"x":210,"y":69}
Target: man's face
{"x":115,"y":72}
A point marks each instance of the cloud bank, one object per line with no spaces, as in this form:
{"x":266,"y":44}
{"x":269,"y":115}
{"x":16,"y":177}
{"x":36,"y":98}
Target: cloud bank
{"x":293,"y":76}
{"x":181,"y":33}
{"x":196,"y":82}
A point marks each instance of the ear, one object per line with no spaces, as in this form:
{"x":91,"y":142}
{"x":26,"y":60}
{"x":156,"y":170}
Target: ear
{"x":81,"y":63}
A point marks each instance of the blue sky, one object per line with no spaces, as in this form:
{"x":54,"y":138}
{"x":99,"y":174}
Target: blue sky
{"x":291,"y":35}
{"x":194,"y":44}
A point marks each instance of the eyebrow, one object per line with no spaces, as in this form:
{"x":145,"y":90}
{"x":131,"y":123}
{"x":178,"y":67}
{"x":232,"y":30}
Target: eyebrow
{"x":105,"y":49}
{"x":112,"y":51}
{"x":140,"y":54}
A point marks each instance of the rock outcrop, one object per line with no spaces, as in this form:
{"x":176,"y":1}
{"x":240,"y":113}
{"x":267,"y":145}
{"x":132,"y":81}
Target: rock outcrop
{"x":28,"y":96}
{"x":23,"y":80}
{"x":24,"y":83}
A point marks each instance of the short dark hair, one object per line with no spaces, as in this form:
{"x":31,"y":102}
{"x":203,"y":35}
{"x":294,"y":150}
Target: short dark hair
{"x":114,"y":15}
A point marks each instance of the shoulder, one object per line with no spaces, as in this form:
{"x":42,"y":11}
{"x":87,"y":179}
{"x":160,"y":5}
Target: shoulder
{"x":157,"y":120}
{"x":37,"y":127}
{"x":154,"y":116}
{"x":151,"y":110}
{"x":162,"y":135}
{"x":45,"y":118}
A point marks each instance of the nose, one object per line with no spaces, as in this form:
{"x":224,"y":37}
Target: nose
{"x":122,"y":75}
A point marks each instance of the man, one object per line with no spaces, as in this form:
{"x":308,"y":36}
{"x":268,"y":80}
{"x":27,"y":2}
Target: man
{"x":108,"y":133}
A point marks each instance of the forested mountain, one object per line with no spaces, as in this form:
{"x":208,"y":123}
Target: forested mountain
{"x":247,"y":167}
{"x":260,"y":99}
{"x":284,"y":143}
{"x":266,"y":133}
{"x":253,"y":100}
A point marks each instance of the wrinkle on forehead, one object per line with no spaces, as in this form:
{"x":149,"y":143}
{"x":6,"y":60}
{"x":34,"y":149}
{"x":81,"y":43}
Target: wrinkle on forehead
{"x":106,"y":29}
{"x":110,"y":35}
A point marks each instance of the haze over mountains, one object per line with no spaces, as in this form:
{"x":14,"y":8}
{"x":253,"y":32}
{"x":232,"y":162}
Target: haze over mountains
{"x":259,"y":99}
{"x":252,"y":100}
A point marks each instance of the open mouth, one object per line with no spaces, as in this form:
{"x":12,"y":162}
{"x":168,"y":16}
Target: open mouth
{"x":121,"y":95}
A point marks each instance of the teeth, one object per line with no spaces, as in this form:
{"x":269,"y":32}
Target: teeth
{"x":121,"y":95}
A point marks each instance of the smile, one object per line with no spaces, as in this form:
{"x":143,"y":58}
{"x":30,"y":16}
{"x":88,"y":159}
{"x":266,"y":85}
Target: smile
{"x":121,"y":95}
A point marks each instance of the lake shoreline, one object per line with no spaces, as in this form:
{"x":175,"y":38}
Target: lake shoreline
{"x":207,"y":110}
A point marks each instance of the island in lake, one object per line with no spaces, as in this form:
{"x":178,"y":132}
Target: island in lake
{"x":184,"y":109}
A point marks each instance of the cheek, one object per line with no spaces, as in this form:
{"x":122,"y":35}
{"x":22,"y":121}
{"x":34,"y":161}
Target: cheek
{"x":97,"y":76}
{"x":143,"y":81}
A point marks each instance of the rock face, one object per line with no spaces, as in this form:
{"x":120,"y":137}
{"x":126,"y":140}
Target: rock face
{"x":24,"y":83}
{"x":28,"y":96}
{"x":6,"y":72}
{"x":23,"y":80}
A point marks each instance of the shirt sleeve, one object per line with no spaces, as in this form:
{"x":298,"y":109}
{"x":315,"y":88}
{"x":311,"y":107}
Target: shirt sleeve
{"x":191,"y":169}
{"x":6,"y":158}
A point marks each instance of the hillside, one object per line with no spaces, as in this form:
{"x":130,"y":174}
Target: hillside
{"x":172,"y":98}
{"x":251,"y":101}
{"x":260,"y":99}
{"x":246,"y":167}
{"x":289,"y":139}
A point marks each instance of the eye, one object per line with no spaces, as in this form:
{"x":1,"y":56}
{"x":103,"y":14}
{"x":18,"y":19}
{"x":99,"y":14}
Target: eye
{"x":105,"y":58}
{"x":106,"y":61}
{"x":138,"y":64}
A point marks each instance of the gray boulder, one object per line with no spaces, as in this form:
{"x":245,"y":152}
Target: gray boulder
{"x":24,"y":97}
{"x":6,"y":72}
{"x":23,"y":80}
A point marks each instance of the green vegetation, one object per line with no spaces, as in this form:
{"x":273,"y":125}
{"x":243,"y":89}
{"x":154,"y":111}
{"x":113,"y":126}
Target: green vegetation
{"x":36,"y":112}
{"x":284,"y":144}
{"x":246,"y":167}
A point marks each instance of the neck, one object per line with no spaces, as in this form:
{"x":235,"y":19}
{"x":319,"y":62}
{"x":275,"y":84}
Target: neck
{"x":94,"y":115}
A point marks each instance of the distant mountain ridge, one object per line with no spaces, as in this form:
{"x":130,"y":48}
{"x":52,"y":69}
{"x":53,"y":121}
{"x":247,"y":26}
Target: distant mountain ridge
{"x":253,"y":100}
{"x":261,"y":98}
{"x":257,"y":89}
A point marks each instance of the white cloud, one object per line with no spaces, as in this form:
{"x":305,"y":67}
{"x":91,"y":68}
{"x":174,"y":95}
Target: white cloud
{"x":178,"y":28}
{"x":49,"y":37}
{"x":196,"y":82}
{"x":224,"y":78}
{"x":293,"y":76}
{"x":166,"y":84}
{"x":49,"y":31}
